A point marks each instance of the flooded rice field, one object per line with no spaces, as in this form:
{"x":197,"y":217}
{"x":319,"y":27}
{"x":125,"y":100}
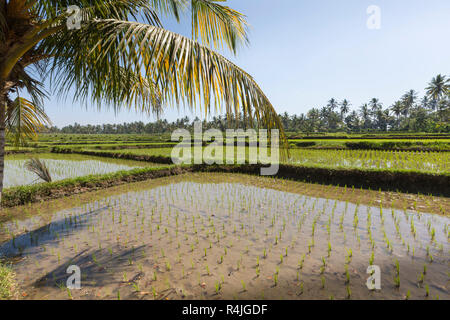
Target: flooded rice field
{"x":216,"y":236}
{"x":61,"y":167}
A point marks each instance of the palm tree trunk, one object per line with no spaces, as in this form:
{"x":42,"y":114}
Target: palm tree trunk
{"x":2,"y":139}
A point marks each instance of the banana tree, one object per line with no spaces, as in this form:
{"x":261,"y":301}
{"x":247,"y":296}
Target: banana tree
{"x":117,"y":54}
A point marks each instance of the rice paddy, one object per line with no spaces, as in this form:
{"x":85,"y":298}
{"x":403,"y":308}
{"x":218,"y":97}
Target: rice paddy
{"x":432,"y":162}
{"x":217,"y":236}
{"x":62,"y":167}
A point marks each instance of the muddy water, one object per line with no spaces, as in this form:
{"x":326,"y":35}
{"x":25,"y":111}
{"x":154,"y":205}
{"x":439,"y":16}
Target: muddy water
{"x":187,"y":239}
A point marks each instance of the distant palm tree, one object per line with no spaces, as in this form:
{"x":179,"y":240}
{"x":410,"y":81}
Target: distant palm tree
{"x":345,"y":108}
{"x":425,"y":103}
{"x":122,"y":57}
{"x":375,"y":105}
{"x":365,"y":115}
{"x":397,"y":109}
{"x":409,"y":101}
{"x":332,"y":104}
{"x":438,"y":88}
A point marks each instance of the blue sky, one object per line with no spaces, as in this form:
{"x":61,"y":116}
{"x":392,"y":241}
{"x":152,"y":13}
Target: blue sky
{"x":302,"y":53}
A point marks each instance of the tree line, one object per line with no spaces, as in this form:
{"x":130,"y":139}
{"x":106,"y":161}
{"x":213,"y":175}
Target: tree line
{"x":430,"y":113}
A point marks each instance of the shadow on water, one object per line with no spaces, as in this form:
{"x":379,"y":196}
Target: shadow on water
{"x":93,"y":274}
{"x":30,"y":241}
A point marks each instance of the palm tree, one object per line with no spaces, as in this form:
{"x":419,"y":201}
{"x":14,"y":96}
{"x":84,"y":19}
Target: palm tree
{"x":375,"y":105}
{"x":365,"y":115}
{"x":425,"y":103}
{"x":332,"y":104}
{"x":438,"y":88}
{"x":409,"y":100}
{"x":345,"y":108}
{"x":397,"y":109}
{"x":122,"y":57}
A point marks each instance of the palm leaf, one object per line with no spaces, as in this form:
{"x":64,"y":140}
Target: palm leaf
{"x":39,"y":168}
{"x":217,"y":25}
{"x":24,"y":120}
{"x":183,"y":71}
{"x":117,"y":9}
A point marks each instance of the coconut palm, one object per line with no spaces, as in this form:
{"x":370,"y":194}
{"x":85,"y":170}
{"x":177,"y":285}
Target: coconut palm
{"x":375,"y":105}
{"x":438,"y":88}
{"x":332,"y":104}
{"x":397,"y":109}
{"x":345,"y":108}
{"x":365,"y":115}
{"x":425,"y":103}
{"x":122,"y":57}
{"x":409,"y":101}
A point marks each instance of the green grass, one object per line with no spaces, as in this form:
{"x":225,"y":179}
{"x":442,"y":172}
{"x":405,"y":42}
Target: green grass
{"x":8,"y":285}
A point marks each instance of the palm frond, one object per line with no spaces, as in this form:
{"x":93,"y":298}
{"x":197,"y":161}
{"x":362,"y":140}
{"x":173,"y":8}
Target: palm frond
{"x":24,"y":120}
{"x":33,"y":87}
{"x":114,"y":9}
{"x":39,"y":167}
{"x":170,"y":8}
{"x":217,"y":25}
{"x":183,"y":71}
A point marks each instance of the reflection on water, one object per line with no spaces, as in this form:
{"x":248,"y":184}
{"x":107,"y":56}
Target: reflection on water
{"x":17,"y":175}
{"x":176,"y":236}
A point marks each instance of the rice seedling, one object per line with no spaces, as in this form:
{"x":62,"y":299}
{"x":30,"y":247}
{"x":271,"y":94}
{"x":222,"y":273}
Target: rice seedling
{"x":69,"y":294}
{"x":217,"y":287}
{"x":349,"y":291}
{"x":301,"y":261}
{"x":347,"y":275}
